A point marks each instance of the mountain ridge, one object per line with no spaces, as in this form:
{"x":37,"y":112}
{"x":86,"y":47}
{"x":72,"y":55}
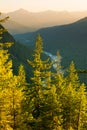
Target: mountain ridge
{"x":70,"y":40}
{"x":20,"y":53}
{"x":36,"y":20}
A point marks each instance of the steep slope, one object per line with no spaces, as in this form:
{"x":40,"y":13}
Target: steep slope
{"x":15,"y":28}
{"x":6,"y":37}
{"x":18,"y":53}
{"x":70,"y":40}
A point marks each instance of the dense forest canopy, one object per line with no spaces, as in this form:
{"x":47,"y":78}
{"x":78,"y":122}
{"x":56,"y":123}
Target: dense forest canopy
{"x":49,"y":101}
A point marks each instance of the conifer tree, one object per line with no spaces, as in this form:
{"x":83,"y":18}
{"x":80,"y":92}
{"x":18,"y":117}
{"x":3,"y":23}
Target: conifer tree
{"x":22,"y":85}
{"x":49,"y":115}
{"x":51,"y":101}
{"x":81,"y":108}
{"x":42,"y":93}
{"x":73,"y":102}
{"x":5,"y":76}
{"x":60,"y":82}
{"x":73,"y":76}
{"x":11,"y":93}
{"x":69,"y":102}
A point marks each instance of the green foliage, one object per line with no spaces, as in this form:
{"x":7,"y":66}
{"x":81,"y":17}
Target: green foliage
{"x":53,"y":97}
{"x":11,"y":94}
{"x":50,"y":101}
{"x":73,"y":76}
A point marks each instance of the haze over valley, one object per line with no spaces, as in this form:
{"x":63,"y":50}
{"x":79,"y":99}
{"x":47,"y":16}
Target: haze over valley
{"x":64,"y":31}
{"x":22,"y":21}
{"x":43,"y":65}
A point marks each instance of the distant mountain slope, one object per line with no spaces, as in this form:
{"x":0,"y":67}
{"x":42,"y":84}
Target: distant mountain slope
{"x":20,"y":53}
{"x":16,"y":28}
{"x":70,"y":40}
{"x":22,"y":20}
{"x":46,"y":18}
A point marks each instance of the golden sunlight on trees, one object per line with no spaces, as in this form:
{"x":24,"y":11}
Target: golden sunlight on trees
{"x":49,"y":101}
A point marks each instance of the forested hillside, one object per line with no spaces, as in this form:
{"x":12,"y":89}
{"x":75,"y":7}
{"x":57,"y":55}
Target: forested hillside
{"x":70,"y":40}
{"x":48,"y":101}
{"x":18,"y":53}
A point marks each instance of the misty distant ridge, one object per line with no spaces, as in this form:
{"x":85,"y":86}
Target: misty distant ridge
{"x":21,"y":10}
{"x":22,"y":21}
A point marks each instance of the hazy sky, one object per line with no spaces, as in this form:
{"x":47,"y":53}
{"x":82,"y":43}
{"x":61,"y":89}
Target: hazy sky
{"x":41,"y":5}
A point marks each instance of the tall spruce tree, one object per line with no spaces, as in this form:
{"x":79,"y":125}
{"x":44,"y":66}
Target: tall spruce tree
{"x":42,"y":94}
{"x":73,"y":102}
{"x":73,"y":76}
{"x":5,"y":76}
{"x":81,"y":108}
{"x":11,"y":93}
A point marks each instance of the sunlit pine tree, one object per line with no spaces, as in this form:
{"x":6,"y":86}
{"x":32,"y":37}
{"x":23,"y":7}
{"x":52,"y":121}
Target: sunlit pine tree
{"x":40,"y":73}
